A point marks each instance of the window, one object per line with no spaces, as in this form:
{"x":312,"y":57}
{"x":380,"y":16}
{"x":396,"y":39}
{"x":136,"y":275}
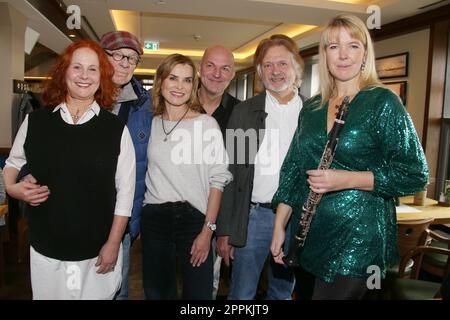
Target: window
{"x":310,"y":84}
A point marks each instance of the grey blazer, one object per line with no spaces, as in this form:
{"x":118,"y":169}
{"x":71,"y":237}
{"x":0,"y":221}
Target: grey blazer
{"x":235,"y":206}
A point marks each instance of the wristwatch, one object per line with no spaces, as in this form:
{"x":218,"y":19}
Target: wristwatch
{"x":211,"y":226}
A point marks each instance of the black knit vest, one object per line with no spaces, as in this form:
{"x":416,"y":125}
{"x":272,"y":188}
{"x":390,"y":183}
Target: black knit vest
{"x":78,"y":163}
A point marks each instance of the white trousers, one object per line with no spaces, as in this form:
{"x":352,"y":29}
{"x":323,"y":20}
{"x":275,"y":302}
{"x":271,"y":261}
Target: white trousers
{"x":53,"y":279}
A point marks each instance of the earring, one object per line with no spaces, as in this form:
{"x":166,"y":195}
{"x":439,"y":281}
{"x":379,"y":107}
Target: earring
{"x":363,"y":65}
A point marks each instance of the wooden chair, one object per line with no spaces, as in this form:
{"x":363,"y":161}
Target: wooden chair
{"x":411,"y":234}
{"x":433,"y":263}
{"x":412,"y":288}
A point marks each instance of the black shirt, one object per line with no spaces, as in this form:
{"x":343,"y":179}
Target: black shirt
{"x":223,"y":111}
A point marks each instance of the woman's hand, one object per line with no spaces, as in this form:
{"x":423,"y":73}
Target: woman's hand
{"x":200,"y":247}
{"x":323,"y":181}
{"x":278,"y":237}
{"x":107,"y":258}
{"x":282,"y":216}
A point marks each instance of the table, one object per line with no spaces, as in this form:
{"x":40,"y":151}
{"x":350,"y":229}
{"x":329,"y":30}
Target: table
{"x":431,"y":209}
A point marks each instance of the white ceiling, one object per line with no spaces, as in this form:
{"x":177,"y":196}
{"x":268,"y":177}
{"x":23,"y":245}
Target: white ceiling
{"x":236,"y":24}
{"x":49,"y":35}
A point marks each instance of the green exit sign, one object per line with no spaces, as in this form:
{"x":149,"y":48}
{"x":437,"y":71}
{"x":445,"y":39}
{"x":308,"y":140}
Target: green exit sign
{"x":151,"y":45}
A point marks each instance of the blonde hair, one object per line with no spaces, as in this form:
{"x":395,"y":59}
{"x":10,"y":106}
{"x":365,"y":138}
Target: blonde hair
{"x":163,"y":72}
{"x":357,"y":30}
{"x":290,"y":45}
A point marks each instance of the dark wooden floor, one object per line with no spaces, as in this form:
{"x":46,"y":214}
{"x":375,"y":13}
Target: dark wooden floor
{"x":17,"y":284}
{"x":135,"y":291}
{"x":17,"y":274}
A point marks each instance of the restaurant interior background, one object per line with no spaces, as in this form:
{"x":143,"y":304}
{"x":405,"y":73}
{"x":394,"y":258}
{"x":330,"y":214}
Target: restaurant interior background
{"x":412,"y":48}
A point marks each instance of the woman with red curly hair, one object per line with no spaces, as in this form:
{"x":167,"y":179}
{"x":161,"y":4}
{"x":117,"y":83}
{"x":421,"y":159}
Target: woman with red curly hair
{"x":80,"y":194}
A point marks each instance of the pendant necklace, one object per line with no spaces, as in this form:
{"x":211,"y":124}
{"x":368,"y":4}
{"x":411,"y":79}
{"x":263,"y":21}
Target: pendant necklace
{"x":75,"y":117}
{"x":176,"y":124}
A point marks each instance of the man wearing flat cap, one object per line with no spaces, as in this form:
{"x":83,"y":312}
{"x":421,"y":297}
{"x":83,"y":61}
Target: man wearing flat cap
{"x":134,"y":107}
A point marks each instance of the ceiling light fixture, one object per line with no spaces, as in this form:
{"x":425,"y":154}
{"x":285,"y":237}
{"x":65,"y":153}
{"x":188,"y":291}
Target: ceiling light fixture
{"x":196,"y":37}
{"x":36,"y":78}
{"x":144,"y":71}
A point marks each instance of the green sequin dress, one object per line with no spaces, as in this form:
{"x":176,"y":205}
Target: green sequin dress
{"x":353,"y":229}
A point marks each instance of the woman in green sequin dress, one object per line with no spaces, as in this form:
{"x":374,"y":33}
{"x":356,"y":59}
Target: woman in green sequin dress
{"x":378,"y":157}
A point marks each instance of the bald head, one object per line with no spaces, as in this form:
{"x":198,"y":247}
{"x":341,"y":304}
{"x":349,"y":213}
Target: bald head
{"x":216,"y":69}
{"x":219,"y":51}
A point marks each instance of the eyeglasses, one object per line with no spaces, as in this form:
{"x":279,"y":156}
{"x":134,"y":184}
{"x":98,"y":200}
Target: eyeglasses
{"x":118,"y":56}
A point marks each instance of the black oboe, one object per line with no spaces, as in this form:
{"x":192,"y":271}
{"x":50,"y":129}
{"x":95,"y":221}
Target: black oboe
{"x":309,"y":207}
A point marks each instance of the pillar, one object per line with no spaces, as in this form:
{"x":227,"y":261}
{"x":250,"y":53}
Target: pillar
{"x":12,"y":65}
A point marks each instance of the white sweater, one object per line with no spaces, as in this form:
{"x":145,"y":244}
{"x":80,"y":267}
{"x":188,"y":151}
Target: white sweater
{"x":188,"y":164}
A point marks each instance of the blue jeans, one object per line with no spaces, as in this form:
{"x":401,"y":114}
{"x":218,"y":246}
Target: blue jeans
{"x":249,"y":261}
{"x":126,"y":245}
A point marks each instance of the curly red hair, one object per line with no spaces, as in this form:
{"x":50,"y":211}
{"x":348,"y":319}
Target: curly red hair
{"x":55,"y":91}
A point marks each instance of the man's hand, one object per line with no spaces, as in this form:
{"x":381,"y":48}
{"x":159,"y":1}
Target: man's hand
{"x":29,"y":178}
{"x":225,"y":250}
{"x":29,"y":191}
